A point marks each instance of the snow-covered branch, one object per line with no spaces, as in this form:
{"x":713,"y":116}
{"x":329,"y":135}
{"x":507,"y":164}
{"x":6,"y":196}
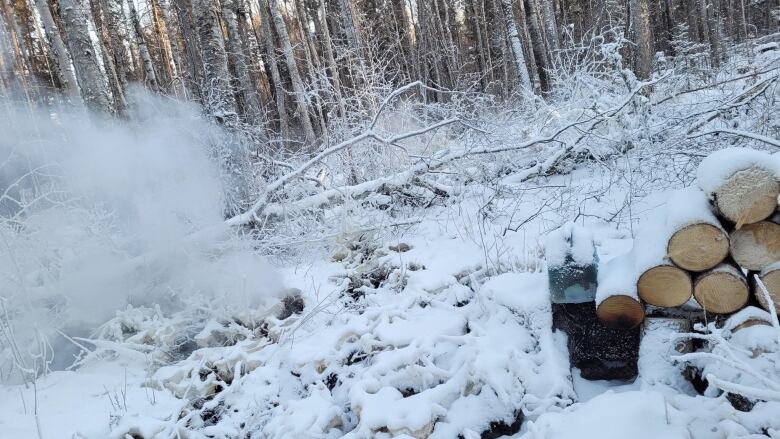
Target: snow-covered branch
{"x":740,"y":133}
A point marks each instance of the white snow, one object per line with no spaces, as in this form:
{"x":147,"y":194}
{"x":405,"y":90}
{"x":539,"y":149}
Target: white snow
{"x":720,"y":165}
{"x":633,"y":414}
{"x":569,"y":240}
{"x":688,"y":206}
{"x":650,"y":247}
{"x":617,"y":277}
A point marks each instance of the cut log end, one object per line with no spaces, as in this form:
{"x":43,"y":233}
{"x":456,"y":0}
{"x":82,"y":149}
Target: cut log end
{"x":698,"y":247}
{"x":722,"y":290}
{"x":771,"y":281}
{"x":756,"y":246}
{"x":619,"y":311}
{"x":748,"y":196}
{"x":665,"y":286}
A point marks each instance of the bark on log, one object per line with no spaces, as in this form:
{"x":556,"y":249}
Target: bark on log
{"x":747,"y":196}
{"x":770,"y":276}
{"x":756,"y":246}
{"x":722,"y":290}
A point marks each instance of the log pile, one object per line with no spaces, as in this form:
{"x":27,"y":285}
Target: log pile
{"x":700,"y":257}
{"x":710,"y":240}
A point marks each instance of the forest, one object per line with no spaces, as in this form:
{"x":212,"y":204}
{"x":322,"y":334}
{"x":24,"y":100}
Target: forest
{"x":256,"y":219}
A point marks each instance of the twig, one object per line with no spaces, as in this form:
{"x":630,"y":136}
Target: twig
{"x":749,"y":135}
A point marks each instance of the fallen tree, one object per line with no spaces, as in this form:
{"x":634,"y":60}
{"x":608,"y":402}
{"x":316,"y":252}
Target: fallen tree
{"x":264,"y":207}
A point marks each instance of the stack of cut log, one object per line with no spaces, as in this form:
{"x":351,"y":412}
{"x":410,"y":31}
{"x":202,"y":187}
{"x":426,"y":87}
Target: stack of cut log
{"x":709,"y":244}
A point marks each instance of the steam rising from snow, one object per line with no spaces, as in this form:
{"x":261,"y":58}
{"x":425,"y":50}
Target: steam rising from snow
{"x":100,"y":214}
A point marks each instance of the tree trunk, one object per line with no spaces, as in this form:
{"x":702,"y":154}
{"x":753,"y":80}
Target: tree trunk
{"x":292,"y":68}
{"x":146,"y":57}
{"x":550,"y":27}
{"x":180,"y":85}
{"x":217,"y":91}
{"x":92,"y":82}
{"x":523,"y":79}
{"x":540,"y":55}
{"x":63,"y":68}
{"x":332,"y":67}
{"x":190,"y":43}
{"x":643,"y":37}
{"x":276,"y":78}
{"x":250,"y":104}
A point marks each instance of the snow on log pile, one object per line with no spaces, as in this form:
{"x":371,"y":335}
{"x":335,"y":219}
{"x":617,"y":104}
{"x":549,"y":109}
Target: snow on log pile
{"x":742,"y":184}
{"x":710,"y":239}
{"x":617,"y":301}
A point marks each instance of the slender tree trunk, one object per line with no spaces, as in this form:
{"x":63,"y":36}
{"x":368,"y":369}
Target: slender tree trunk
{"x":550,"y":27}
{"x":143,"y":49}
{"x":292,"y":68}
{"x":332,"y":67}
{"x":190,"y":43}
{"x":63,"y":67}
{"x":537,"y":45}
{"x":116,"y":88}
{"x":276,"y":78}
{"x":247,"y":89}
{"x":180,"y":85}
{"x":217,"y":91}
{"x":643,"y":38}
{"x":523,"y":79}
{"x":92,"y":82}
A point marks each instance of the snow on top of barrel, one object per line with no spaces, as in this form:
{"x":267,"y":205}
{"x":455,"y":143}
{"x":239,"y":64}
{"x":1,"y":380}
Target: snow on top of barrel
{"x":569,"y":240}
{"x":617,"y":277}
{"x":720,"y":165}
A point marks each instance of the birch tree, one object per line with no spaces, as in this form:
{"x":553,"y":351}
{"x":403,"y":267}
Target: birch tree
{"x":235,"y":45}
{"x":276,"y":78}
{"x":146,"y":57}
{"x":643,"y":37}
{"x":63,"y":67}
{"x":92,"y":83}
{"x":217,"y":92}
{"x":292,"y":68}
{"x":524,"y":81}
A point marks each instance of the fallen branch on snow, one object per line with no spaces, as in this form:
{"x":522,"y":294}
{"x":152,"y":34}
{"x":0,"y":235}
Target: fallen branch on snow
{"x":423,"y":165}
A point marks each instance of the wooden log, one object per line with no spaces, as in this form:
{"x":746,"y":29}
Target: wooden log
{"x":755,"y":246}
{"x":665,"y":286}
{"x":660,"y":282}
{"x":697,"y":240}
{"x":742,"y":184}
{"x":748,"y":196}
{"x":617,"y":302}
{"x":770,"y":276}
{"x":722,"y":290}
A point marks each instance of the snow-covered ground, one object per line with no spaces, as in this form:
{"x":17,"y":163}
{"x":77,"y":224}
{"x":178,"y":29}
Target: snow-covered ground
{"x":434,"y":324}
